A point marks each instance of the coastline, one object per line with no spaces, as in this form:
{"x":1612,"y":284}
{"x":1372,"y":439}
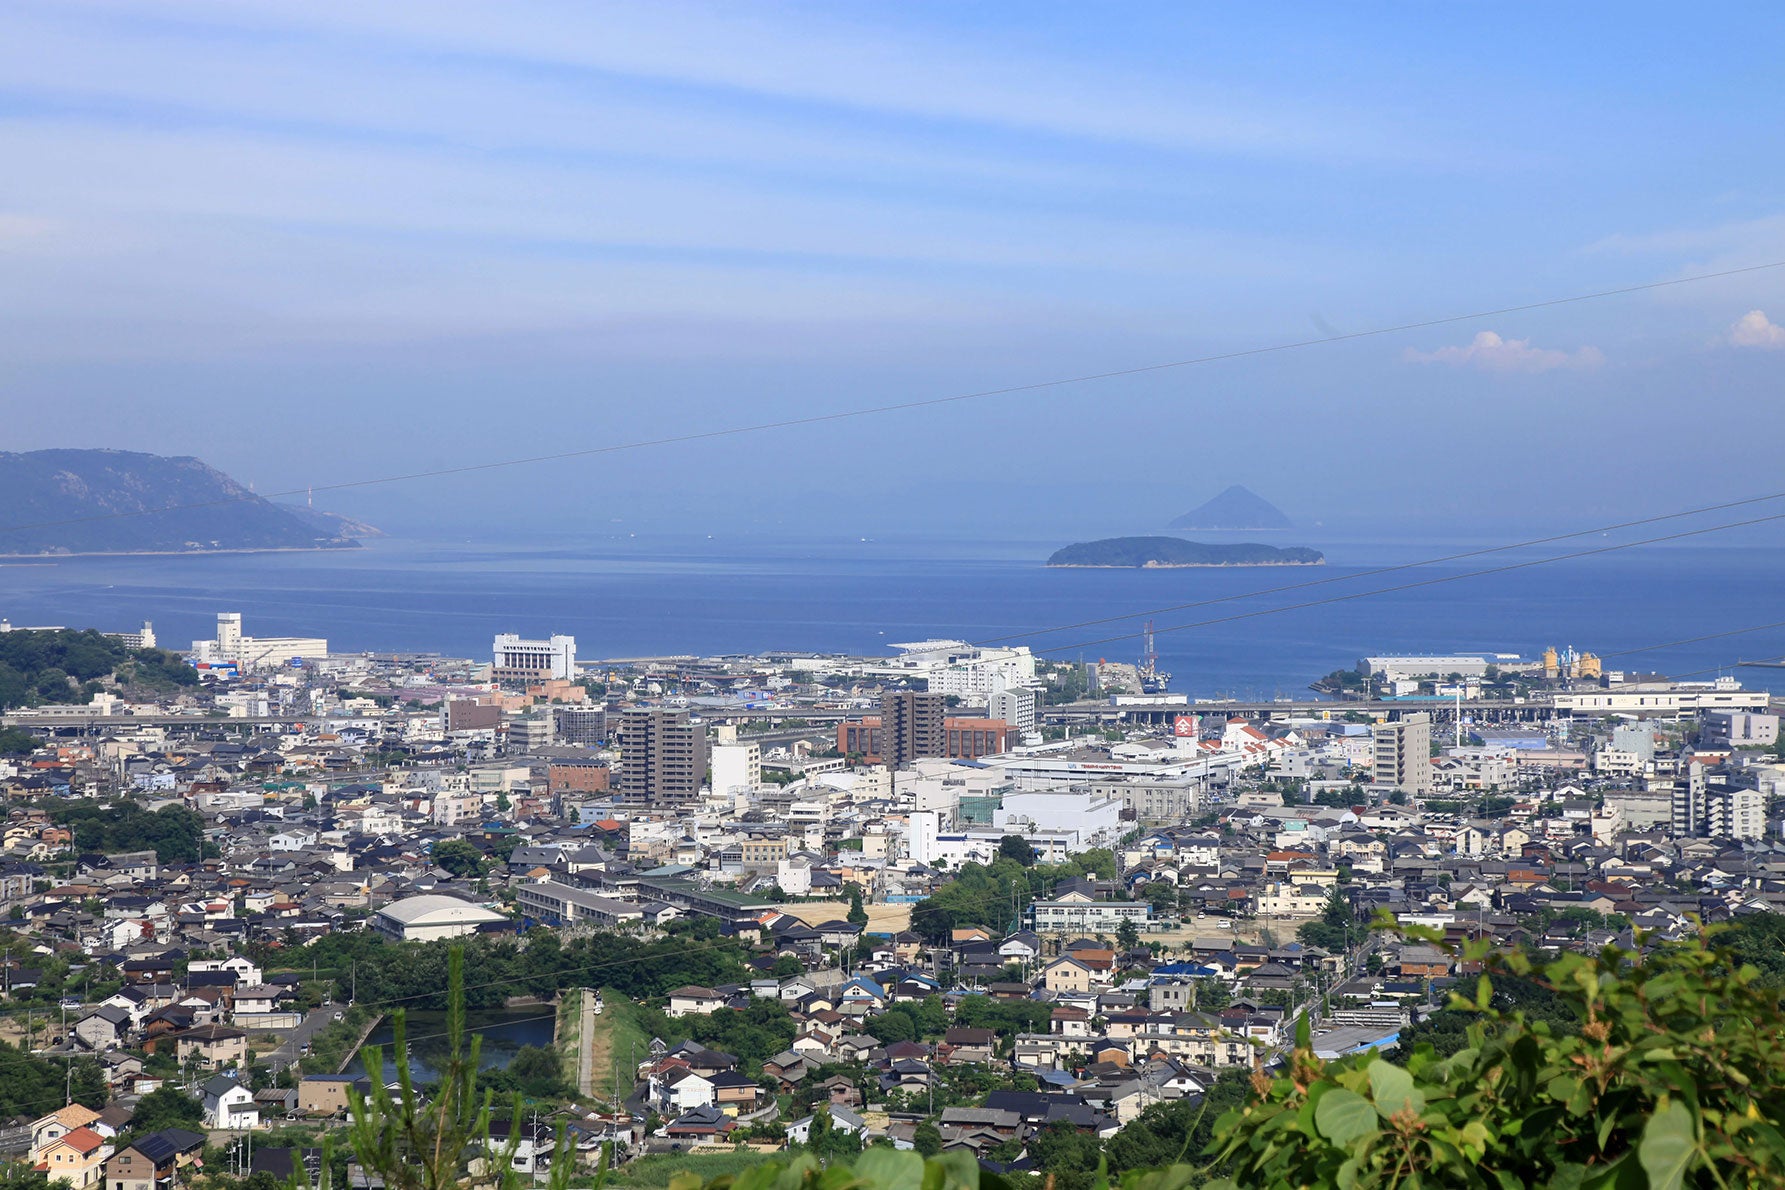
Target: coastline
{"x":1173,"y":565}
{"x":48,"y":558}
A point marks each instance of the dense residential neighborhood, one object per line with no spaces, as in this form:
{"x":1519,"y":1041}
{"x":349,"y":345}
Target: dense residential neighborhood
{"x":951,"y":900}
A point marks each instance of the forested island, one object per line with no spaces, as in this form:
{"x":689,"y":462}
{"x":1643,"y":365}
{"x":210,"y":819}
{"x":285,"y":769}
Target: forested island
{"x":1160,"y":552}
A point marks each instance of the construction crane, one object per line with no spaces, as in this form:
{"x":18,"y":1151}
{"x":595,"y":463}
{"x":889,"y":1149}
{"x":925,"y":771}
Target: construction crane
{"x":1152,"y":679}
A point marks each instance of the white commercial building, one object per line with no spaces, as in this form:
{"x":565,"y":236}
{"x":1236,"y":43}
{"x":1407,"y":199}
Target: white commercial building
{"x":1468,"y":665}
{"x":1095,"y":821}
{"x":1053,"y":766}
{"x":563,"y":905}
{"x":931,"y":843}
{"x":1662,"y":699}
{"x":255,"y":652}
{"x":518,"y":660}
{"x":955,"y":667}
{"x":431,"y":917}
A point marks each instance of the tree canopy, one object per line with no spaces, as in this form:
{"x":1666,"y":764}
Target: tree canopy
{"x":175,"y":833}
{"x":64,"y":666}
{"x":1673,"y":1078}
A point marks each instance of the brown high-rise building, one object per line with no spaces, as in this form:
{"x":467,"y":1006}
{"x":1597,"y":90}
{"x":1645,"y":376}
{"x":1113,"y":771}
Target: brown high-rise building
{"x":663,"y":758}
{"x":970,"y":738}
{"x":911,"y":726}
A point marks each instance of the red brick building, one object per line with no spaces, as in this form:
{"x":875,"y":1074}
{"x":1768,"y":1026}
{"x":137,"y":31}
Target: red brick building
{"x":962,"y":738}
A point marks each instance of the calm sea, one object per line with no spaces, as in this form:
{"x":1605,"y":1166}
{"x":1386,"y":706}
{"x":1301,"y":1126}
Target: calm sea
{"x":623,"y":596}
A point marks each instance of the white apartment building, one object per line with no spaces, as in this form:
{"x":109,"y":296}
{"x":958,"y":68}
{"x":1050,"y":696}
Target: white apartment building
{"x":1618,"y":762}
{"x":1739,"y":814}
{"x":1015,"y":705}
{"x":143,"y":639}
{"x":1740,"y":729}
{"x":1402,"y":755}
{"x":736,"y":767}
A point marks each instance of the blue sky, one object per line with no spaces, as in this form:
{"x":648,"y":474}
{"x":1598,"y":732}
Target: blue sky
{"x":317,"y":242}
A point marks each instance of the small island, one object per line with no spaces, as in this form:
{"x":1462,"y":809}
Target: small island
{"x":1170,"y":552}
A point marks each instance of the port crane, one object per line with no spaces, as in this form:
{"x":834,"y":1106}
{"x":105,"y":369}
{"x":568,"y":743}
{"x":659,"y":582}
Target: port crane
{"x":1153,"y":680}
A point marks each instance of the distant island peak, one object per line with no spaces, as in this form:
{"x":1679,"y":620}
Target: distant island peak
{"x":1237,"y":508}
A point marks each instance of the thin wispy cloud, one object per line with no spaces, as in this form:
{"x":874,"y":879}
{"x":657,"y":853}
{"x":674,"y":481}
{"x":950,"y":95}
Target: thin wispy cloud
{"x":1491,"y":352}
{"x":842,"y":59}
{"x":1755,"y":329}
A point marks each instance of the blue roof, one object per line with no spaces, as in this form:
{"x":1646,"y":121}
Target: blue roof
{"x":863,"y":981}
{"x":1194,"y":969}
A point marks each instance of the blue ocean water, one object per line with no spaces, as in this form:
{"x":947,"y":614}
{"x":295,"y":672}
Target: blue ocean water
{"x":623,"y":597}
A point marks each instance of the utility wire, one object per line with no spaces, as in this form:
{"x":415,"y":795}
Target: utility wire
{"x":921,"y":403}
{"x":1381,"y":570}
{"x":1692,"y":640}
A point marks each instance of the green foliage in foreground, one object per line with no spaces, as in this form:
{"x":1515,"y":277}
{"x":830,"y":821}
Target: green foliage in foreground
{"x":1674,"y":1077}
{"x":879,"y":1168}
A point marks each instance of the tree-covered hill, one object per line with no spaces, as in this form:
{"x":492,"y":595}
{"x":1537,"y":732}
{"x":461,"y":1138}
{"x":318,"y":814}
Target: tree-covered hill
{"x":1175,"y":551}
{"x":67,"y":666}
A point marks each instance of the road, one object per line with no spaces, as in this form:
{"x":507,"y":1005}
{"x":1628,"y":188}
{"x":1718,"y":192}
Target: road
{"x":585,"y":1042}
{"x":293,"y":1046}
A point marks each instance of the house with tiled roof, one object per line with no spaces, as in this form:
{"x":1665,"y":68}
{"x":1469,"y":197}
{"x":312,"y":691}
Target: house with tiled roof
{"x":46,"y":1130}
{"x":77,"y":1157}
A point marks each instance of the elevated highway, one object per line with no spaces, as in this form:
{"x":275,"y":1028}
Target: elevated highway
{"x":1442,"y":711}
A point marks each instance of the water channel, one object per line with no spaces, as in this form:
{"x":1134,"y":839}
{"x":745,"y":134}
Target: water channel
{"x":503,"y":1030}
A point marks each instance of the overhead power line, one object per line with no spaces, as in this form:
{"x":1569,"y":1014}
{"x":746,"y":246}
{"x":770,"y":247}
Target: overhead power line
{"x":920,"y":403}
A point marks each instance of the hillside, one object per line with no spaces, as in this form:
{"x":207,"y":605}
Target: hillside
{"x":113,"y":501}
{"x":1236,"y":508}
{"x":1175,"y":551}
{"x":66,"y":666}
{"x":331,"y":524}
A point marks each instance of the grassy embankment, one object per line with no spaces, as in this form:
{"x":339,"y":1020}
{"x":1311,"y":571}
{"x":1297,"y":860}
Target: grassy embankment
{"x":649,"y":1173}
{"x":618,"y":1040}
{"x":567,"y":1038}
{"x":331,"y":1049}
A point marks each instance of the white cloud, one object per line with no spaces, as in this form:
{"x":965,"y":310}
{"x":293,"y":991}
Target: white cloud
{"x":1492,"y":353}
{"x":1755,"y":329}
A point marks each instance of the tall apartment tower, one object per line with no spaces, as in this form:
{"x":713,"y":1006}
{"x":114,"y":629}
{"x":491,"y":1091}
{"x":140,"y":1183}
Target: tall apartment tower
{"x":663,"y":758}
{"x":911,"y":723}
{"x":1691,"y":804}
{"x":1743,"y":814}
{"x":1015,"y":705}
{"x":1403,"y":755}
